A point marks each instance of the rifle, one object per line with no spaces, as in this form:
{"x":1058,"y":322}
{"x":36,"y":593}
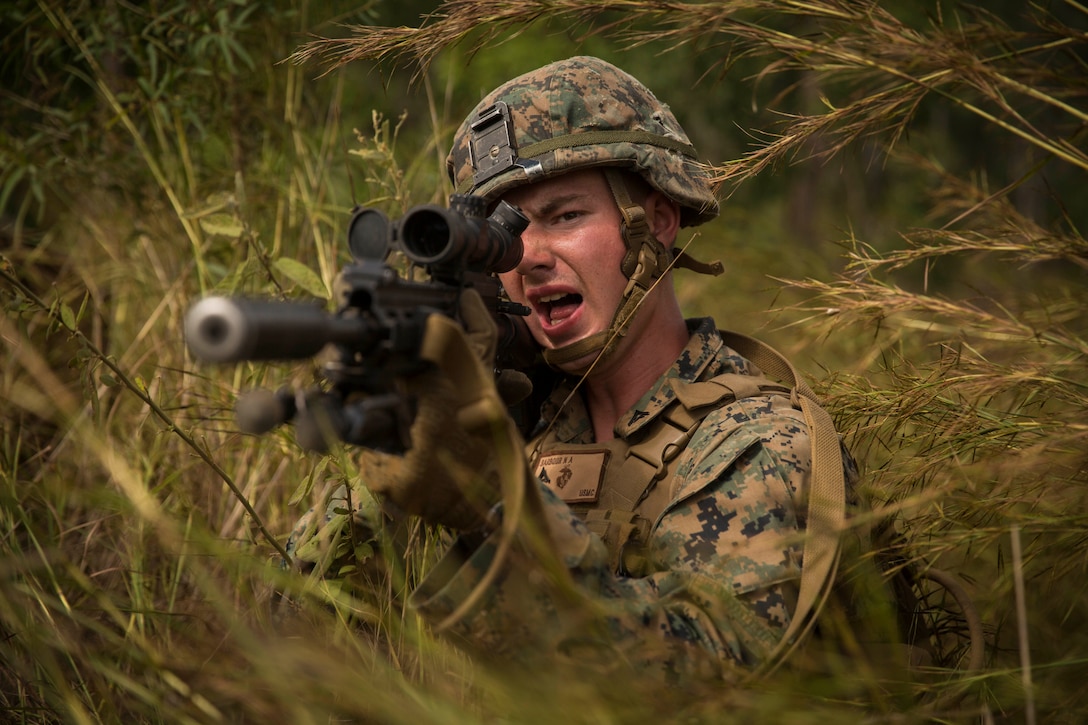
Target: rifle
{"x":377,"y":328}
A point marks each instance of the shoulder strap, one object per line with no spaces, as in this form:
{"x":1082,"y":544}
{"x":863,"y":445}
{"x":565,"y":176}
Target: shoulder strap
{"x":826,"y":496}
{"x":647,"y":462}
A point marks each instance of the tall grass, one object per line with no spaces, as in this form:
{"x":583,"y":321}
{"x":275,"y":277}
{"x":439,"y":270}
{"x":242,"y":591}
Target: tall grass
{"x":140,"y":529}
{"x":140,"y":532}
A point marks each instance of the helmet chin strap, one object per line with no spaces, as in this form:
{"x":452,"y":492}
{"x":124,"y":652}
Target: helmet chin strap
{"x":645,"y":262}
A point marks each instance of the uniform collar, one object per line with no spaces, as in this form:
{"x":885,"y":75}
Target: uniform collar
{"x":704,"y":356}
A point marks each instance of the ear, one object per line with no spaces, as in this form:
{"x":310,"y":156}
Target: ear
{"x":664,"y":217}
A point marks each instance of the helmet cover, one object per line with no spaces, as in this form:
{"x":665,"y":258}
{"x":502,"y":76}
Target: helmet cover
{"x":571,"y":114}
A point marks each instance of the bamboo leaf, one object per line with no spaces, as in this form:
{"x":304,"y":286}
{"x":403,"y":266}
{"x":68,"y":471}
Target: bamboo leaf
{"x":301,"y":275}
{"x":67,"y":316}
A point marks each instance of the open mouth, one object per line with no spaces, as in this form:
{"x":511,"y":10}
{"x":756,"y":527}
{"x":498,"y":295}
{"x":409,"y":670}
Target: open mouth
{"x":553,"y":309}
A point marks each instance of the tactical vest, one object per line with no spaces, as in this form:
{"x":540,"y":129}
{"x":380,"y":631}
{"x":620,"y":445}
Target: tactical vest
{"x":623,"y":487}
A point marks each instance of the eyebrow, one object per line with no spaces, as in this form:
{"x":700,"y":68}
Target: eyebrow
{"x":555,"y":202}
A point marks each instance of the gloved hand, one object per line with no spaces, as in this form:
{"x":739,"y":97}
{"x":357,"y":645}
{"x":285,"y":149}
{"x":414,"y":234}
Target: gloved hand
{"x":450,"y":475}
{"x":482,"y":335}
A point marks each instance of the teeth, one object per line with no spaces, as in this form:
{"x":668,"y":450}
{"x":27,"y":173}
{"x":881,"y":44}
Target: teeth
{"x":547,"y":300}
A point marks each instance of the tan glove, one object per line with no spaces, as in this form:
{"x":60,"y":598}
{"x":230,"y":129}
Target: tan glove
{"x":450,"y":475}
{"x":482,"y":334}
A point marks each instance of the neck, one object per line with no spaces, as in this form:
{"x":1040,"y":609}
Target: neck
{"x":643,"y":357}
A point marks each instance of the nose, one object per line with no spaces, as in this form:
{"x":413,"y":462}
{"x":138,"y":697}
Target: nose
{"x":537,"y":253}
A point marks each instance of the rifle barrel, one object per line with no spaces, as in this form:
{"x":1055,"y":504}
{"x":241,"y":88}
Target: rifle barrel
{"x":226,"y":329}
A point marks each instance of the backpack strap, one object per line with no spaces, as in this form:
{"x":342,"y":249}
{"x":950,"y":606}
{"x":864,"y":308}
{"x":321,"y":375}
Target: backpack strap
{"x":826,"y":516}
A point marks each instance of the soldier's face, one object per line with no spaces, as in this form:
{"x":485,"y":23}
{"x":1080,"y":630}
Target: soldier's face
{"x":570,"y":274}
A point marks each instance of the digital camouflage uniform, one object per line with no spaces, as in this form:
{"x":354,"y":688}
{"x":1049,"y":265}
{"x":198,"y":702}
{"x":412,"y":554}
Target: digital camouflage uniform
{"x":689,"y":563}
{"x":697,"y":574}
{"x":722,"y":559}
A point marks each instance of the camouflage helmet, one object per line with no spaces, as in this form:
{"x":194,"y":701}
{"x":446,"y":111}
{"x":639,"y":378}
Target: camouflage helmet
{"x":571,"y":114}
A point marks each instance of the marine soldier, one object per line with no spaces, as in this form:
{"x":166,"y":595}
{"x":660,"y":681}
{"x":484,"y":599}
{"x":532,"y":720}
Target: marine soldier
{"x":657,"y":513}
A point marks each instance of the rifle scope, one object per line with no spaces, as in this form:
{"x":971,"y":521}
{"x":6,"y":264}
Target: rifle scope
{"x":434,"y":236}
